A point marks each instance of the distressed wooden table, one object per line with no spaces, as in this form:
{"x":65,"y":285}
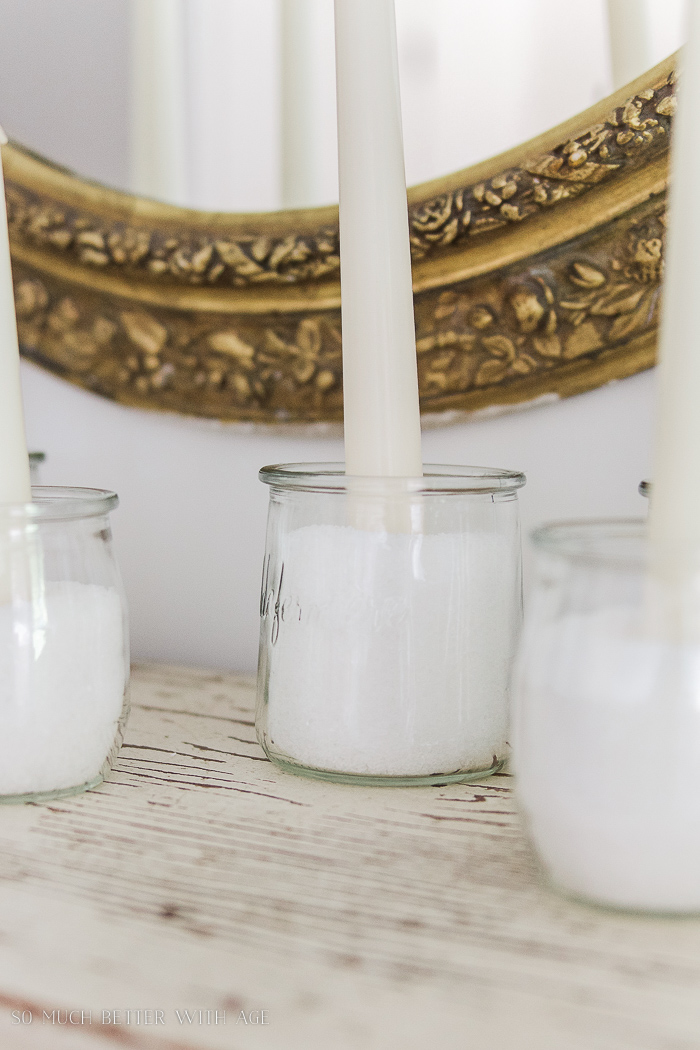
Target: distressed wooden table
{"x":201,"y":886}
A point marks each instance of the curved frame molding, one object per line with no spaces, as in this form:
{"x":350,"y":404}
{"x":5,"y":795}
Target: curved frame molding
{"x":536,"y":273}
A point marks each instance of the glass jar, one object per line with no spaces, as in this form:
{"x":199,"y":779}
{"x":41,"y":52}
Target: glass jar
{"x":607,"y":719}
{"x":389,"y":614}
{"x":64,"y":655}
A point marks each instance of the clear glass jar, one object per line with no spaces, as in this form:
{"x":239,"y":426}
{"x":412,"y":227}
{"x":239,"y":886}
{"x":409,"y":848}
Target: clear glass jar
{"x":607,"y":719}
{"x":389,"y":612}
{"x":64,"y":654}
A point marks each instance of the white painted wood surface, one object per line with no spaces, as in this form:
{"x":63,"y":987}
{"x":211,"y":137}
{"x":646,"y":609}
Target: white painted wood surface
{"x":201,"y":878}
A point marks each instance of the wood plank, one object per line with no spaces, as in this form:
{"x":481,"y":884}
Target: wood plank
{"x":201,"y":878}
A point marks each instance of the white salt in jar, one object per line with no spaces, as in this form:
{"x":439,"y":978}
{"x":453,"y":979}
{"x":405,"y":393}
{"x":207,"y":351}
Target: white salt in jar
{"x":607,"y":720}
{"x":64,"y":656}
{"x":389,"y":611}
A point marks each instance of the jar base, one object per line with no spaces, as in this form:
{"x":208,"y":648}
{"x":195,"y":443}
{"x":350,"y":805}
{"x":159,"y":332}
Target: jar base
{"x":670,"y":909}
{"x":365,"y":780}
{"x":49,"y":796}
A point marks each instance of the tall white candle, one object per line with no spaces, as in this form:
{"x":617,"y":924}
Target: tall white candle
{"x":630,"y":39}
{"x":14,"y":461}
{"x":159,"y":100}
{"x":382,"y":418}
{"x":308,"y":152}
{"x":675,"y":504}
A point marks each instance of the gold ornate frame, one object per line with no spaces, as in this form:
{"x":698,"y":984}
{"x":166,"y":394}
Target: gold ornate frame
{"x":536,"y":273}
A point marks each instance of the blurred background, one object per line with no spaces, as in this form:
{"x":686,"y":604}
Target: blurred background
{"x":245,"y":89}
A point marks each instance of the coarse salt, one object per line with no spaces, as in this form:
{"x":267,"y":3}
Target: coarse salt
{"x":607,"y":758}
{"x":392,"y":651}
{"x":62,"y":682}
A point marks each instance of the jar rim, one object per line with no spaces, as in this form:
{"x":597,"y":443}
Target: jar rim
{"x":61,"y":503}
{"x":595,"y":540}
{"x":438,"y":478}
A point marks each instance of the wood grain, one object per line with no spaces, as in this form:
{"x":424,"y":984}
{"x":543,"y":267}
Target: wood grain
{"x":200,"y":877}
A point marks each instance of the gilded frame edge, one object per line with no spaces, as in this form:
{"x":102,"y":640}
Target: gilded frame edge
{"x":537,"y":274}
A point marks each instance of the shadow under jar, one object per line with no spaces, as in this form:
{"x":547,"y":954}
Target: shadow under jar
{"x":390,"y":609}
{"x":64,"y":654}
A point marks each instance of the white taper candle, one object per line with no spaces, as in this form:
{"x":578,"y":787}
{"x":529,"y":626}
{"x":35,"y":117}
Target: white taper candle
{"x":382,"y":417}
{"x":159,"y":101}
{"x":630,"y":40}
{"x":675,"y":503}
{"x":14,"y":461}
{"x":304,"y":100}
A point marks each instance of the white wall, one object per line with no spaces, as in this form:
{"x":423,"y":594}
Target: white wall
{"x":64,"y":84}
{"x":190,"y":528}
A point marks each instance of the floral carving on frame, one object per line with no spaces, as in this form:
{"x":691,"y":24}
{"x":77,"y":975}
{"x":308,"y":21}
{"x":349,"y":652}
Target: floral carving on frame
{"x":535,"y":274}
